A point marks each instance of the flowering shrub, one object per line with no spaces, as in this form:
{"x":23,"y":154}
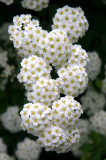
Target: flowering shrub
{"x":46,"y":51}
{"x":46,"y":114}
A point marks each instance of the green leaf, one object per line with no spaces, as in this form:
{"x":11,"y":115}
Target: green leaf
{"x":95,"y":156}
{"x":96,"y":138}
{"x":87,"y":148}
{"x":92,"y":156}
{"x":98,"y":83}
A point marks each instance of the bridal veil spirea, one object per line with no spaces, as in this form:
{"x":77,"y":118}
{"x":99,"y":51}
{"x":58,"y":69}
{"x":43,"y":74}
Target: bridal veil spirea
{"x":52,"y":113}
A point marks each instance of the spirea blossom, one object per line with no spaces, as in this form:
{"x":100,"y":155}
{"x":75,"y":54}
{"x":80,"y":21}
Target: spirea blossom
{"x":11,"y":120}
{"x":94,"y":65}
{"x":98,"y":122}
{"x":28,"y":150}
{"x":66,"y":112}
{"x":72,"y":21}
{"x":56,"y":139}
{"x":35,"y":117}
{"x":55,"y":126}
{"x":36,"y":5}
{"x":32,"y":69}
{"x":50,"y":117}
{"x":5,"y":156}
{"x":3,"y":147}
{"x":55,"y":47}
{"x":44,"y":91}
{"x":93,"y":101}
{"x":25,"y":34}
{"x":72,"y":80}
{"x":7,"y":2}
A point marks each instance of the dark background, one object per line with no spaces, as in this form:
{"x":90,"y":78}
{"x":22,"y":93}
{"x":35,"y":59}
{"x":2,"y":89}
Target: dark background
{"x":94,"y":40}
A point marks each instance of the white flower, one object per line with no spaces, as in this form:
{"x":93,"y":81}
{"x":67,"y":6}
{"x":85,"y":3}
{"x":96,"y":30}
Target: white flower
{"x":35,"y":117}
{"x":55,"y":47}
{"x":35,"y":5}
{"x":71,"y":20}
{"x":28,"y":150}
{"x":93,"y":101}
{"x":11,"y":120}
{"x":72,"y":80}
{"x":5,"y":156}
{"x":32,"y":69}
{"x":94,"y":65}
{"x":98,"y":122}
{"x":44,"y":91}
{"x":66,"y":112}
{"x":8,"y":2}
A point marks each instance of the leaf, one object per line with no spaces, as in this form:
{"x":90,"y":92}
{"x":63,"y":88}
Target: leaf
{"x":95,"y":156}
{"x":87,"y":148}
{"x":97,"y":138}
{"x":98,"y":83}
{"x":92,"y":156}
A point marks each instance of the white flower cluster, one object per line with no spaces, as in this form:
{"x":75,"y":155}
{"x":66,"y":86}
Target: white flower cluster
{"x":28,"y":150}
{"x":72,"y":80}
{"x":71,"y":20}
{"x":25,"y":34}
{"x":56,"y":47}
{"x":50,"y":117}
{"x":94,"y":65}
{"x":3,"y":147}
{"x":44,"y":91}
{"x":7,"y":2}
{"x":54,"y":126}
{"x":5,"y":156}
{"x":32,"y":69}
{"x":11,"y":120}
{"x":84,"y":129}
{"x":93,"y":101}
{"x":98,"y":122}
{"x":36,"y":5}
{"x":6,"y":69}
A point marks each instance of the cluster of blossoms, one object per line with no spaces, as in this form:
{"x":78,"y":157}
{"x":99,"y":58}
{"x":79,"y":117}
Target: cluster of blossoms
{"x":98,"y":122}
{"x":8,"y":2}
{"x":72,"y":21}
{"x":93,"y":101}
{"x":11,"y":120}
{"x":36,"y":5}
{"x":50,"y":117}
{"x":5,"y":156}
{"x":3,"y":147}
{"x":54,"y":126}
{"x":84,"y":129}
{"x":94,"y":65}
{"x":28,"y":150}
{"x":7,"y":71}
